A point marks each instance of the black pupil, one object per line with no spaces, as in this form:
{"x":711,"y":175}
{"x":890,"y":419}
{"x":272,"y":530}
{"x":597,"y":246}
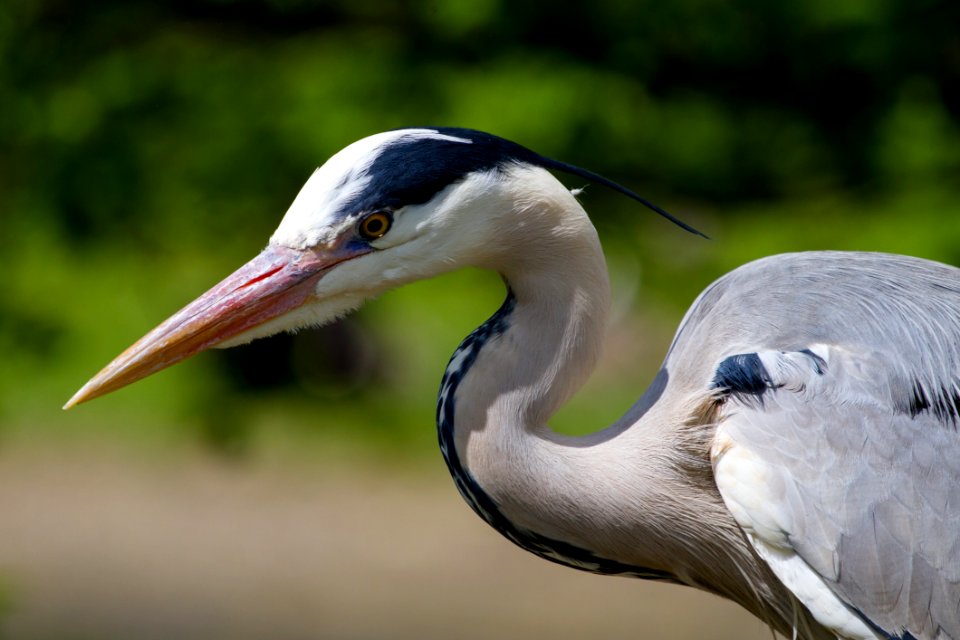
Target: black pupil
{"x":374,"y":225}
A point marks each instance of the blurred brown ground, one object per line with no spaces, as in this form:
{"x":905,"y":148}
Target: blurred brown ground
{"x":98,"y":542}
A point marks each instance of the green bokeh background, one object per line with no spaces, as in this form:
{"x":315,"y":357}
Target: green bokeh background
{"x":149,"y":148}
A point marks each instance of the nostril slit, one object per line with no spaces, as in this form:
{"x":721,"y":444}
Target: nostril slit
{"x":262,"y":276}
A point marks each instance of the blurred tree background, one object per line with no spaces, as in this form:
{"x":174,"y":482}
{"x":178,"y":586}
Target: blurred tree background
{"x":148,"y":148}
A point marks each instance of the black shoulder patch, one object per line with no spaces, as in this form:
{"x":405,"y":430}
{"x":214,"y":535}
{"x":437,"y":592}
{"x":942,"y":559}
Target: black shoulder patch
{"x":943,"y":402}
{"x":742,"y":374}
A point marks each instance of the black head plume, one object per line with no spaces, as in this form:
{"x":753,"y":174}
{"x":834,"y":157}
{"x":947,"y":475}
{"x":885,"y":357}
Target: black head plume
{"x":549,"y":163}
{"x":491,"y":149}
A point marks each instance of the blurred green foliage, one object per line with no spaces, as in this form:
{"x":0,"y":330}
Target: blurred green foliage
{"x":146,"y":149}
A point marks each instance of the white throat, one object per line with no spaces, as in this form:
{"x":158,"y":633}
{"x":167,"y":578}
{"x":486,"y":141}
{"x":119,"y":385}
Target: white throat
{"x":599,"y":502}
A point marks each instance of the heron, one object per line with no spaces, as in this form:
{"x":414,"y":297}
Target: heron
{"x":797,"y":452}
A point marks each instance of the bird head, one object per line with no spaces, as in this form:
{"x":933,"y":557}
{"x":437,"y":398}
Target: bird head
{"x":386,"y":210}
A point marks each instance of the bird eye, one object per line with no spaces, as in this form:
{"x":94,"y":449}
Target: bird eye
{"x":375,"y":225}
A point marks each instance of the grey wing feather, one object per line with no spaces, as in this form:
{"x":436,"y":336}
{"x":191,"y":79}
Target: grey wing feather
{"x":878,"y":522}
{"x":866,"y":443}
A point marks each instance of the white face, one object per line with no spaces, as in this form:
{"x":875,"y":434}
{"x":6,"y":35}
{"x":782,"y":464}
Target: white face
{"x":448,"y":229}
{"x":317,"y":214}
{"x":441,"y":199}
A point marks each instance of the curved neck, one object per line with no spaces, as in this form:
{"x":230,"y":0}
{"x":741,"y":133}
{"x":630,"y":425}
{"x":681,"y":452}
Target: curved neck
{"x":631,"y":499}
{"x":509,"y":376}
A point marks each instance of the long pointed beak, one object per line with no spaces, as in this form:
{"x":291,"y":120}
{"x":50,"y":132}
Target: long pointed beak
{"x":275,"y":282}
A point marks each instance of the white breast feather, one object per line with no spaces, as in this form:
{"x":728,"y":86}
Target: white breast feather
{"x":749,"y":487}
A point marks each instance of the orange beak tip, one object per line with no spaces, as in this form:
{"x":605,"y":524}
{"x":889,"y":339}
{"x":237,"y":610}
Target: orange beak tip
{"x":89,"y":391}
{"x":275,"y":282}
{"x":74,"y":400}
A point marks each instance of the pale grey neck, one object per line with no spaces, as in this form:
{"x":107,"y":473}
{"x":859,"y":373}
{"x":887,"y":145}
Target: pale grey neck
{"x":553,"y":338}
{"x":613,"y":493}
{"x":549,"y":345}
